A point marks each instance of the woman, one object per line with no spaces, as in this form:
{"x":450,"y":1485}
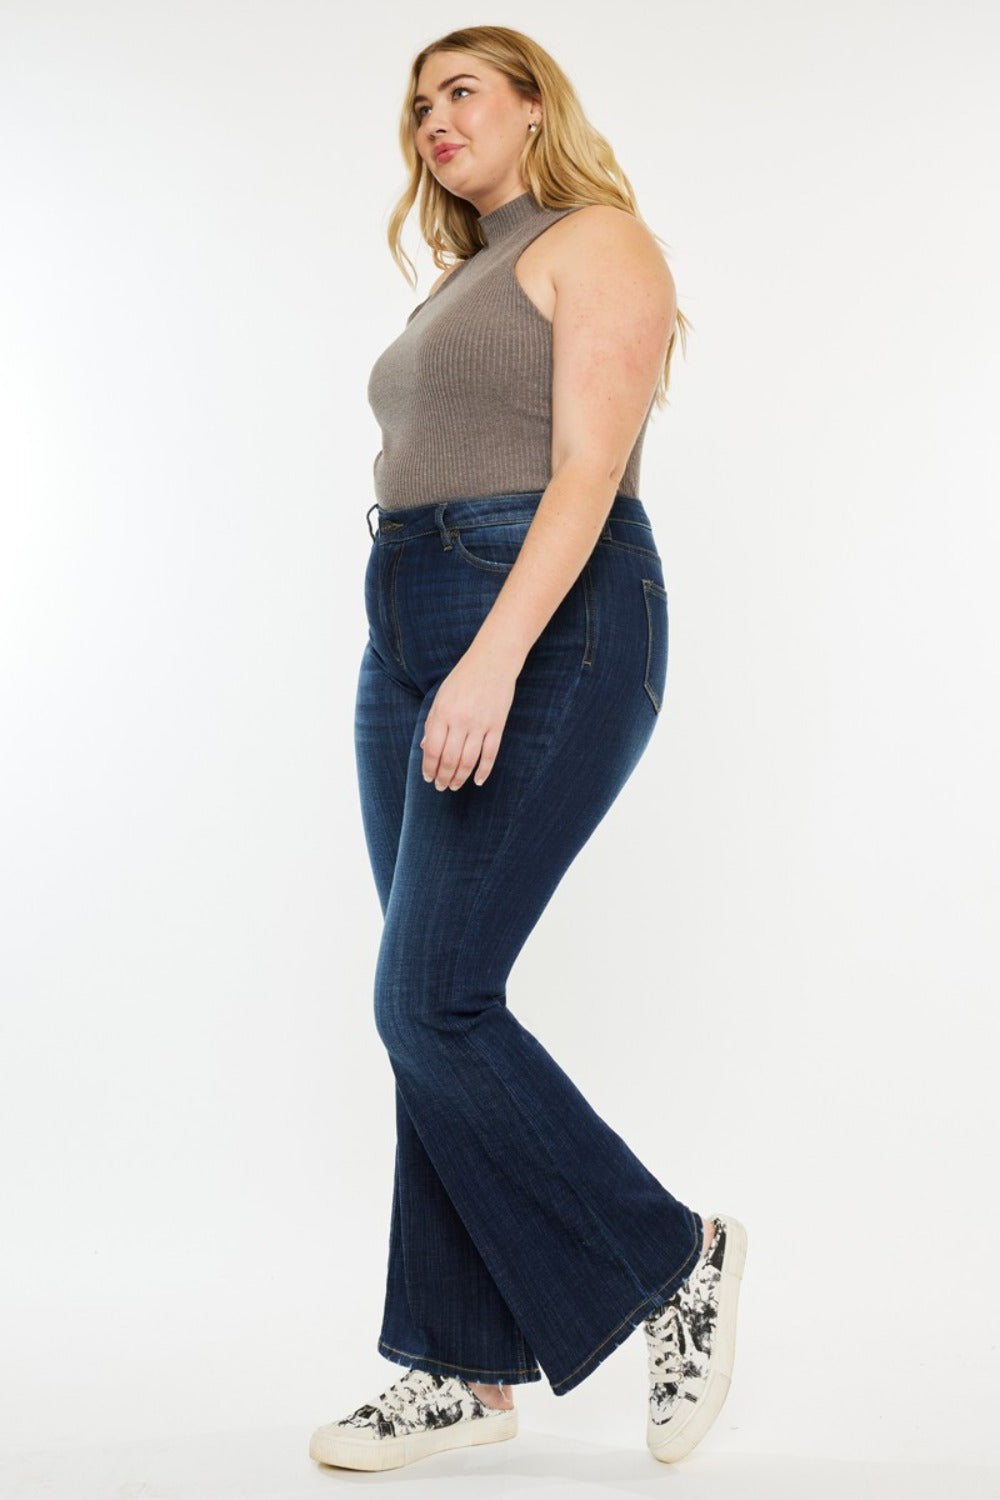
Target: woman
{"x":516,"y":663}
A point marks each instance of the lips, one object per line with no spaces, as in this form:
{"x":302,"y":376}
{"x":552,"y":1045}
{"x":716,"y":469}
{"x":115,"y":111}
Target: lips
{"x":445,"y":152}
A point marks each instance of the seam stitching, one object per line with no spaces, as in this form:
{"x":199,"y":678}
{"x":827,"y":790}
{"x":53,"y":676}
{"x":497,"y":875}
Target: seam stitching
{"x":426,"y":1359}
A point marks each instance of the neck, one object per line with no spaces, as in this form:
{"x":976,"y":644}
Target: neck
{"x":507,"y":216}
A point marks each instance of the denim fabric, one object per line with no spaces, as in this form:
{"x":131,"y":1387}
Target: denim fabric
{"x":525,"y":1235}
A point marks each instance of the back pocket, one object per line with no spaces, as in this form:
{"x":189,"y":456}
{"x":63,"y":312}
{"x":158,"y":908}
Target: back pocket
{"x":655,"y":679}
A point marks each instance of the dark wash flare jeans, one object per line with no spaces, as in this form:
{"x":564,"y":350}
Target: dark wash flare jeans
{"x":525,"y":1235}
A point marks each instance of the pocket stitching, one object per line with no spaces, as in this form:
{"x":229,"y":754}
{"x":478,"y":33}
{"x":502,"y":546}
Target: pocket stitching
{"x":650,"y":586}
{"x":487,"y":565}
{"x":610,"y":541}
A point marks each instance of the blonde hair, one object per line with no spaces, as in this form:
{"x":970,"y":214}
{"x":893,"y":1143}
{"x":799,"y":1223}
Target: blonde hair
{"x":566,"y":163}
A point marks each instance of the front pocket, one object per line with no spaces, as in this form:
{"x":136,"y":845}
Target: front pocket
{"x":655,"y":679}
{"x":491,"y":545}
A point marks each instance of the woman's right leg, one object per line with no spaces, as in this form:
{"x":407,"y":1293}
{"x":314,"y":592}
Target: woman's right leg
{"x":426,"y":1232}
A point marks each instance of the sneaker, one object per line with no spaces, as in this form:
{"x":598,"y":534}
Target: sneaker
{"x":691,"y":1343}
{"x":419,"y":1415}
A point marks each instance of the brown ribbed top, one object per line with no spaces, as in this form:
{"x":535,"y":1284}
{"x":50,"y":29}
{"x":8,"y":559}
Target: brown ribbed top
{"x":464,"y":395}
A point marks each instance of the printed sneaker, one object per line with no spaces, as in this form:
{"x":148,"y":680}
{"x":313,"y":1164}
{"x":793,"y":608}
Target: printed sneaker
{"x":691,"y":1343}
{"x":419,"y":1415}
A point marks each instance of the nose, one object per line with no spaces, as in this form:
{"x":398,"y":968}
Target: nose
{"x":434,"y":121}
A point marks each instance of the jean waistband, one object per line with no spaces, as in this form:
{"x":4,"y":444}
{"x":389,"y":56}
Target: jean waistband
{"x":421,"y":520}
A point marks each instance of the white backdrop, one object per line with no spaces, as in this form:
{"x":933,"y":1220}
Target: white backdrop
{"x":195,"y":1109}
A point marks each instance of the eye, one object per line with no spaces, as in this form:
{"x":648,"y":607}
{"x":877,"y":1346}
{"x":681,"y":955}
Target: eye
{"x":419,"y":110}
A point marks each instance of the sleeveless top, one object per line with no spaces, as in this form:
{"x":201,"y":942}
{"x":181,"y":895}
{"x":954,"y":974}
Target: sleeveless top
{"x":463,"y":396}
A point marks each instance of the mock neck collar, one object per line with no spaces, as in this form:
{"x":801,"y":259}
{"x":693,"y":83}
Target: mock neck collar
{"x":504,"y":220}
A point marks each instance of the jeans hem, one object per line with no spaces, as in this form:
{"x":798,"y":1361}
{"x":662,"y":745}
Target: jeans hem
{"x":478,"y":1373}
{"x":631,"y":1321}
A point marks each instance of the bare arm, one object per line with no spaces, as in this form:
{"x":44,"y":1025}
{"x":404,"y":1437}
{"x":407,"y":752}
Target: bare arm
{"x":614,"y":310}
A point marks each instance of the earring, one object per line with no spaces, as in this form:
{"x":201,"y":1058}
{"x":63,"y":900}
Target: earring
{"x":532,"y":126}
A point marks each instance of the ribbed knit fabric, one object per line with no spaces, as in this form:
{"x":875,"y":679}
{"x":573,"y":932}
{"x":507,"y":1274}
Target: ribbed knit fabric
{"x":464,"y":395}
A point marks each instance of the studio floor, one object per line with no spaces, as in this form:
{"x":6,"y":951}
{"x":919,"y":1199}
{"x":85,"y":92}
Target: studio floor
{"x":274,"y":1465}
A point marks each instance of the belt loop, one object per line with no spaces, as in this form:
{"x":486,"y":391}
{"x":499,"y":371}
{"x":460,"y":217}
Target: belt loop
{"x":368,"y":512}
{"x":442,"y":527}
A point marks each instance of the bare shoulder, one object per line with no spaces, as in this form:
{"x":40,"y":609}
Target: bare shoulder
{"x":604,"y":220}
{"x":596,"y":246}
{"x":599,"y":234}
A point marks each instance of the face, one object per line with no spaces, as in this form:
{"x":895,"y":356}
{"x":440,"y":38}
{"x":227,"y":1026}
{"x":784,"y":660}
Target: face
{"x":470,"y":125}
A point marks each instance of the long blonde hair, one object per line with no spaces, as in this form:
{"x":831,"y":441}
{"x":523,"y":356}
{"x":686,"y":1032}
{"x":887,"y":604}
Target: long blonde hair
{"x":566,"y":163}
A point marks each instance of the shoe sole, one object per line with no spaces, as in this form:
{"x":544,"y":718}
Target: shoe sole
{"x":682,"y":1437}
{"x":330,"y":1445}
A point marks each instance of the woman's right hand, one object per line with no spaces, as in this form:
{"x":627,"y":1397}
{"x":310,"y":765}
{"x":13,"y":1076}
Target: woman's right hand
{"x":465,"y":723}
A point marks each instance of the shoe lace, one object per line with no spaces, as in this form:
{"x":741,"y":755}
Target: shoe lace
{"x":663,"y":1345}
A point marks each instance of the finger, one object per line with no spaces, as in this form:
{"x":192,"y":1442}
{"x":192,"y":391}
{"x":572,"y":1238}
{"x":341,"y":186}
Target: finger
{"x":487,"y":760}
{"x":467,"y":762}
{"x":432,"y":743}
{"x":450,"y":757}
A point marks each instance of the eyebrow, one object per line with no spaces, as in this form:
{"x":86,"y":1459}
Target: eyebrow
{"x":423,"y":99}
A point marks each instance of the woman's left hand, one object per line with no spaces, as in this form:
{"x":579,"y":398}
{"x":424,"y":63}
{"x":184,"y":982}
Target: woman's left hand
{"x":467,"y":718}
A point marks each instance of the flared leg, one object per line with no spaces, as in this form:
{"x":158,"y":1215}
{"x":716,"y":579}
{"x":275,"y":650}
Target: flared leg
{"x":558,"y":1239}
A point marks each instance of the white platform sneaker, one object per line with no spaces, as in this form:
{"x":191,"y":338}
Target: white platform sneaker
{"x":419,"y":1415}
{"x":691,"y":1343}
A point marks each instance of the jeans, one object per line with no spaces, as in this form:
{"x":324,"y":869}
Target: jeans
{"x":525,"y":1236}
